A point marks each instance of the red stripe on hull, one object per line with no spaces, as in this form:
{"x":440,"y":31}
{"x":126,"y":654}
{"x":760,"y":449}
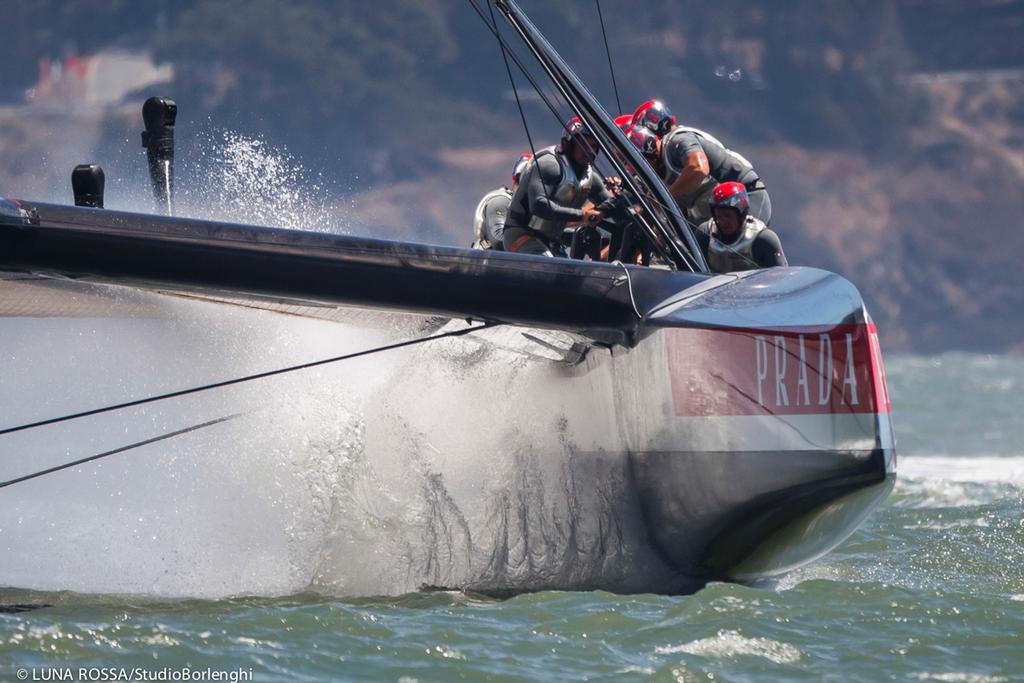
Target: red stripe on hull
{"x":791,"y":371}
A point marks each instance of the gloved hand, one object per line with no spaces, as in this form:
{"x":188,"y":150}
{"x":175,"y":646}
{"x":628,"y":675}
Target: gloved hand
{"x":614,"y":207}
{"x":592,"y":216}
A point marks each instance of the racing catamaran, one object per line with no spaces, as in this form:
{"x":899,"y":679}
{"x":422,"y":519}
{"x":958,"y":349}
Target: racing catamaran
{"x":749,"y":411}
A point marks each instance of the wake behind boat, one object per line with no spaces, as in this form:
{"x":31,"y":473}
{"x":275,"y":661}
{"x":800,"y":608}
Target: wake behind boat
{"x":744,"y":415}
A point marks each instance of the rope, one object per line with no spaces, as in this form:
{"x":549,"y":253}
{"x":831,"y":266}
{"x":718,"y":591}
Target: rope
{"x":518,"y":62}
{"x":505,"y":52}
{"x":629,"y":286}
{"x":122,"y":449}
{"x":508,"y":69}
{"x":247,"y":378}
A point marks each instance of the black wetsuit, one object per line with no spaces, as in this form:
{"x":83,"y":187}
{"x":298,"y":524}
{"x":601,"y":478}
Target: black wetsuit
{"x":552,"y":193}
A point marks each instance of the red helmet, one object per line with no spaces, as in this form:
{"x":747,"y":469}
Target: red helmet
{"x":624,"y":121}
{"x":521,"y":164}
{"x":654,"y":115}
{"x":645,"y":141}
{"x":730,"y":195}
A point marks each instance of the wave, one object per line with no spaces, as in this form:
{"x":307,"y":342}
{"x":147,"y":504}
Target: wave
{"x":949,"y":481}
{"x":729,"y":644}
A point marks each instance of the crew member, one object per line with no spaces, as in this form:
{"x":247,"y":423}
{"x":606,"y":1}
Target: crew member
{"x":692,"y":162}
{"x":633,"y":245}
{"x":559,"y":190}
{"x":733,"y":239}
{"x":646,"y":142}
{"x":489,"y":221}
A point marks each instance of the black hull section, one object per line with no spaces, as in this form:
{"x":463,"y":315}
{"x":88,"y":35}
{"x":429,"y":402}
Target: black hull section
{"x":291,"y":266}
{"x":787,"y":508}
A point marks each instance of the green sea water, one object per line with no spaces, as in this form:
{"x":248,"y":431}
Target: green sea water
{"x":930,"y":588}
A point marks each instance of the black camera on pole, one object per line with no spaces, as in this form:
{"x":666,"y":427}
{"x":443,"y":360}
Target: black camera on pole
{"x":159,"y":113}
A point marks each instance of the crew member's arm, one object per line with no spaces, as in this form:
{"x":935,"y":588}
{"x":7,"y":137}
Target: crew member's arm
{"x":546,"y":177}
{"x":599,"y":191}
{"x":689,"y":163}
{"x":695,"y":172}
{"x":767,"y":250}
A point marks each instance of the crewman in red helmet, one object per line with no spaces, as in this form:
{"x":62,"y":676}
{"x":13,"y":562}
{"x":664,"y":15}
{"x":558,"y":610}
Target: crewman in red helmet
{"x":559,"y":189}
{"x":732,"y":239}
{"x":692,"y":162}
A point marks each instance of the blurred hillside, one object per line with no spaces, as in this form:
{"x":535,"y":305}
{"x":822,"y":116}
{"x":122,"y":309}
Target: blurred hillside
{"x":890,"y":132}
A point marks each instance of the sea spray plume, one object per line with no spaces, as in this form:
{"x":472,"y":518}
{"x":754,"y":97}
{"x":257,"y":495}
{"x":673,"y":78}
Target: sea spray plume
{"x":373,"y":478}
{"x":244,"y":510}
{"x":246,"y":180}
{"x":523,"y":504}
{"x":199,"y":517}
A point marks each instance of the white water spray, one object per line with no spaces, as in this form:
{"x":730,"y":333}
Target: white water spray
{"x":380,"y":475}
{"x":455,"y":464}
{"x":242,"y":179}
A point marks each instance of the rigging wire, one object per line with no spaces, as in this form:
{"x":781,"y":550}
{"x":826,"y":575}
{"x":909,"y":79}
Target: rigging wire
{"x":508,"y":69}
{"x":516,"y":60}
{"x":608,"y":52}
{"x":673,"y":210}
{"x":672,"y":250}
{"x":506,"y":50}
{"x":629,"y":285}
{"x":694,"y":228}
{"x":247,"y":378}
{"x":493,"y":28}
{"x":122,"y":449}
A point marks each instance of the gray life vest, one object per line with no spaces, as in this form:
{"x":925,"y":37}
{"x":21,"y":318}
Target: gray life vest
{"x":572,"y":191}
{"x":670,"y":173}
{"x":727,"y":258}
{"x":484,"y":230}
